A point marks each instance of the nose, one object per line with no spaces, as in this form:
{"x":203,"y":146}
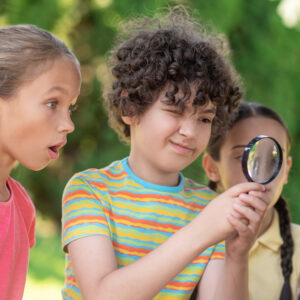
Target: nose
{"x":188,"y":127}
{"x":66,"y":125}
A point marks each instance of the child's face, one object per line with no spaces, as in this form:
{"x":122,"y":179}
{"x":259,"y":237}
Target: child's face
{"x":35,"y":122}
{"x":229,"y":170}
{"x":165,"y":140}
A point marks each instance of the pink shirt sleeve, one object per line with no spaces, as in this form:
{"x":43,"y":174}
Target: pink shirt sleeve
{"x":17,"y":236}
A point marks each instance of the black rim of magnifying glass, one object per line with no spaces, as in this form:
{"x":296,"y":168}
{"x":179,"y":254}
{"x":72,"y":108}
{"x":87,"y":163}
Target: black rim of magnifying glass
{"x":246,"y":155}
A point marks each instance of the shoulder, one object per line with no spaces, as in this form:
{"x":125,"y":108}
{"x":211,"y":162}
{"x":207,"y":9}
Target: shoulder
{"x":19,"y":193}
{"x":193,"y":187}
{"x":94,"y":179}
{"x":22,"y":200}
{"x":296,"y":235}
{"x":94,"y":174}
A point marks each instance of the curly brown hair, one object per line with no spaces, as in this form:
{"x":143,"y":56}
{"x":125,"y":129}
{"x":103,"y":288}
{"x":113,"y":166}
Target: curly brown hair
{"x":173,"y":50}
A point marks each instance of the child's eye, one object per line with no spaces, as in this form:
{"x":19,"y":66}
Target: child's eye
{"x":72,"y":108}
{"x":205,"y":120}
{"x":173,"y":111}
{"x":239,"y":157}
{"x":52,"y":104}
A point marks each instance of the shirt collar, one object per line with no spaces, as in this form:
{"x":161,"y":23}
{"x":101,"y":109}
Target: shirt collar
{"x":271,"y":238}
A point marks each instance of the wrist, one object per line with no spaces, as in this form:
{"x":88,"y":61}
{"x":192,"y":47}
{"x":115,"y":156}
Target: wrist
{"x":240,"y":260}
{"x":200,"y":234}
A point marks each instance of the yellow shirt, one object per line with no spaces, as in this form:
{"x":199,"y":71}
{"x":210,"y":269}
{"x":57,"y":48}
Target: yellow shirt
{"x":265,"y":275}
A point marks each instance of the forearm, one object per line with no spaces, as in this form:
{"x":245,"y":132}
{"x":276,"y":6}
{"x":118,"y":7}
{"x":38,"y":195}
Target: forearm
{"x":233,"y":283}
{"x":147,"y":276}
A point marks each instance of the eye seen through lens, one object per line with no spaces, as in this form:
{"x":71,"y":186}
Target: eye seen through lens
{"x":262,"y":159}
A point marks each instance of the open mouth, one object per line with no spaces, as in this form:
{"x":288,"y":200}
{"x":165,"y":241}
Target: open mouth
{"x":53,"y":151}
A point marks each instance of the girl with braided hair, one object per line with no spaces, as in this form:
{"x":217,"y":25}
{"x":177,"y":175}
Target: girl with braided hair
{"x":274,"y":259}
{"x":298,"y":289}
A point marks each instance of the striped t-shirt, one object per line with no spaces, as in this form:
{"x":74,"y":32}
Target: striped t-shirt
{"x":137,"y":216}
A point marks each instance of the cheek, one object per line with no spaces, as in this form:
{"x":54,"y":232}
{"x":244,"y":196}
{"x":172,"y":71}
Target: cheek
{"x":203,"y":137}
{"x":232,"y":174}
{"x":278,"y":183}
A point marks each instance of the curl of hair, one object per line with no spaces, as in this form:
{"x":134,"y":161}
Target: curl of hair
{"x":25,"y":51}
{"x":170,"y":51}
{"x":287,"y":248}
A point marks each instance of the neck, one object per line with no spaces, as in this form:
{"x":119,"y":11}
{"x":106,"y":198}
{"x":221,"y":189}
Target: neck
{"x":6,"y":165}
{"x":150,"y":174}
{"x":267,"y":221}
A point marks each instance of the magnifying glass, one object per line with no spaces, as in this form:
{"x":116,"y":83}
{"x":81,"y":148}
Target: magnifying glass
{"x":262,"y":159}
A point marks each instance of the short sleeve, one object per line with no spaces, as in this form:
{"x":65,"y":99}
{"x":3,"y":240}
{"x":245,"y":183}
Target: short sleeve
{"x":82,"y":211}
{"x":219,"y":251}
{"x":31,"y":232}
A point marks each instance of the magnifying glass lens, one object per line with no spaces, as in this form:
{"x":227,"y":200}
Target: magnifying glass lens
{"x":262,"y":159}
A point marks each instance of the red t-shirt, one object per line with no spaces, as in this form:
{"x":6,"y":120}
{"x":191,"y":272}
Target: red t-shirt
{"x":17,"y":236}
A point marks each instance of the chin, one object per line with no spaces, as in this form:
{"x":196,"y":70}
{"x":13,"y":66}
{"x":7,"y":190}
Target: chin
{"x":35,"y":167}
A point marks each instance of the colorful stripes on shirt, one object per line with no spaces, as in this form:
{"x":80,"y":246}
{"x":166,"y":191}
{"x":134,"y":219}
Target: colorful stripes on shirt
{"x":137,"y":216}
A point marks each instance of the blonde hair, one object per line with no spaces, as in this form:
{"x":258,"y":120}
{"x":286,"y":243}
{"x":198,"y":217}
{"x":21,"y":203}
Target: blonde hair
{"x":25,"y":51}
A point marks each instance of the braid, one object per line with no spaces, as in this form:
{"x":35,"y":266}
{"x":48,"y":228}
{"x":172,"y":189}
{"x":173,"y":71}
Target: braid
{"x":195,"y":293}
{"x":287,"y":249}
{"x":212,"y":185}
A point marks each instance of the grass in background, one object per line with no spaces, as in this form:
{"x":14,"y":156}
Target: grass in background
{"x":46,"y":266}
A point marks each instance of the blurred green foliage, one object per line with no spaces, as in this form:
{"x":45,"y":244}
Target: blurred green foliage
{"x":265,"y":52}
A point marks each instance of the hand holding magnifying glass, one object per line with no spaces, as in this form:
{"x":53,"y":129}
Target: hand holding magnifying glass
{"x":262,"y":159}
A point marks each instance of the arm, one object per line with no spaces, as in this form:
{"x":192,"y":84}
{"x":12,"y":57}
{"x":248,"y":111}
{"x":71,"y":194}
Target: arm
{"x":233,"y":280}
{"x":224,"y":279}
{"x":95,"y":264}
{"x":96,"y":270}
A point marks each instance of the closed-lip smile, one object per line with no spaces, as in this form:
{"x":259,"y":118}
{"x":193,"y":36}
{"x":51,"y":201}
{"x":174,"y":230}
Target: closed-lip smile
{"x":181,"y":147}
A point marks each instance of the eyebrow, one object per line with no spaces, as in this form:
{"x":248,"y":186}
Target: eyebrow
{"x":238,"y":146}
{"x":209,"y":111}
{"x":244,"y":146}
{"x":57,"y":88}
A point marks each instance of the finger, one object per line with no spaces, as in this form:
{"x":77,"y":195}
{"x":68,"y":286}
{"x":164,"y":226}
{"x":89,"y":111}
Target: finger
{"x":239,"y":216}
{"x":239,"y":226}
{"x":255,"y":203}
{"x":262,"y":195}
{"x":246,"y":187}
{"x":253,"y":217}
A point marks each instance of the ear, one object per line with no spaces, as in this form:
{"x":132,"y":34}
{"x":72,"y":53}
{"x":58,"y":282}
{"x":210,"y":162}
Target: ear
{"x":210,"y":167}
{"x":127,"y":120}
{"x":288,"y":167}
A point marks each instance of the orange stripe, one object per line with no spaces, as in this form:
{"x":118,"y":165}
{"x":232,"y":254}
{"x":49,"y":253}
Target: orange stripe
{"x":112,"y":175}
{"x":158,"y":198}
{"x":122,"y":218}
{"x":130,"y":249}
{"x":70,"y":195}
{"x":182,"y":284}
{"x":84,"y":218}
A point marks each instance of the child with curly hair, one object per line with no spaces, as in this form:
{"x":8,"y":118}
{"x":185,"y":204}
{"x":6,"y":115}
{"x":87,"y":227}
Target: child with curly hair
{"x":274,"y":259}
{"x":138,"y":229}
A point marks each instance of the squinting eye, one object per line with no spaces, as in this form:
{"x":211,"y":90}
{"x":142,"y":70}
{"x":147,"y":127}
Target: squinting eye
{"x":205,"y":120}
{"x":52,"y":104}
{"x":176,"y":112}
